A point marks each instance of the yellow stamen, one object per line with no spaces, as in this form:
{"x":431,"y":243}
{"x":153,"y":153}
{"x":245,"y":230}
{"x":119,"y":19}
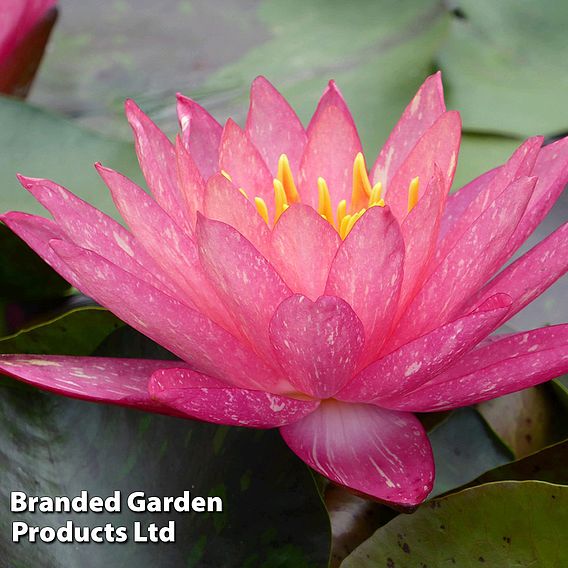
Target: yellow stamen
{"x":261,"y":208}
{"x":243,"y":192}
{"x":353,"y":220}
{"x":361,"y":185}
{"x":324,"y":204}
{"x":375,"y":198}
{"x":343,"y":226}
{"x":413,"y":194}
{"x":287,"y":179}
{"x":341,"y":212}
{"x":280,"y":200}
{"x":223,"y":172}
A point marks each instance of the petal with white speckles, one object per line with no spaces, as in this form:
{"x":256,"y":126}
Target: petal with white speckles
{"x":504,"y":366}
{"x":97,"y":379}
{"x":273,"y":126}
{"x":424,"y":109}
{"x":231,"y":406}
{"x":201,"y":135}
{"x":381,"y":453}
{"x":303,"y":248}
{"x":333,"y":144}
{"x":185,"y":332}
{"x":244,"y":280}
{"x":157,"y":158}
{"x":317,"y":343}
{"x":418,"y":361}
{"x":467,"y":266}
{"x":367,"y":274}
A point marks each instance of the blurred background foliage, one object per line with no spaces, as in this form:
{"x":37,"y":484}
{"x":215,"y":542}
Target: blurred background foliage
{"x":505,"y":68}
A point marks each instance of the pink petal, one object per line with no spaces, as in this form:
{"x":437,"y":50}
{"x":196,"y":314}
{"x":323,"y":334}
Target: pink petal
{"x":551,"y":169}
{"x":37,"y":232}
{"x":157,"y":158}
{"x":458,"y":202}
{"x":224,"y":202}
{"x":420,"y":233}
{"x":185,"y":332}
{"x":317,"y":343}
{"x":190,"y":182}
{"x":367,"y":274}
{"x":98,"y":379}
{"x":245,"y":281}
{"x":170,"y":247}
{"x":424,"y":109}
{"x":303,"y":248}
{"x":380,"y":453}
{"x":419,"y":360}
{"x":243,"y":162}
{"x":520,"y":164}
{"x":90,"y":228}
{"x":222,"y":405}
{"x":333,"y":144}
{"x":531,"y":274}
{"x":438,"y":145}
{"x":472,"y":260}
{"x":273,"y":126}
{"x":201,"y":134}
{"x":516,"y":362}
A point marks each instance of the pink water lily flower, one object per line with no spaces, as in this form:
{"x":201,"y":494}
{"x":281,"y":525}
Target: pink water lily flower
{"x":303,"y":291}
{"x":25,"y":26}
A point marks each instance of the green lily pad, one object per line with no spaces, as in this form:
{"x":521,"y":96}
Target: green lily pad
{"x":40,"y":144}
{"x":59,"y":446}
{"x":507,"y":67}
{"x":78,"y":332}
{"x":549,"y":464}
{"x":514,"y":523}
{"x":464,"y":448}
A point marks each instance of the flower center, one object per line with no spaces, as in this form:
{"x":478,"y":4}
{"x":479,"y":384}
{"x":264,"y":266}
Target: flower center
{"x":363,"y":196}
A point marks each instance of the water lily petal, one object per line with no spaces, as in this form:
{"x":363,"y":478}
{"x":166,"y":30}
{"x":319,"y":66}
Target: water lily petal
{"x":472,"y":260}
{"x":513,"y":363}
{"x":438,"y":145}
{"x":333,"y":143}
{"x":242,"y":161}
{"x":185,"y":332}
{"x":170,"y":247}
{"x":421,"y":113}
{"x":317,"y":343}
{"x":224,"y":202}
{"x":520,"y":164}
{"x":244,"y":280}
{"x":367,"y":274}
{"x":97,"y":379}
{"x":201,"y":134}
{"x":411,"y":365}
{"x":303,"y":248}
{"x":420,"y":233}
{"x":157,"y":158}
{"x":531,"y":274}
{"x":190,"y":182}
{"x":222,"y":405}
{"x":381,"y":453}
{"x":90,"y":228}
{"x":551,"y":169}
{"x":458,"y":202}
{"x":36,"y":232}
{"x":273,"y":126}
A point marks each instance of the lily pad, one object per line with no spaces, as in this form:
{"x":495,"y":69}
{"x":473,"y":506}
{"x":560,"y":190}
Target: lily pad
{"x":513,"y":523}
{"x":40,"y":144}
{"x":464,"y":448}
{"x":507,"y":67}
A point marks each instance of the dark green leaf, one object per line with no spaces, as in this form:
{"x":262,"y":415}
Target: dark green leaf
{"x":519,"y":524}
